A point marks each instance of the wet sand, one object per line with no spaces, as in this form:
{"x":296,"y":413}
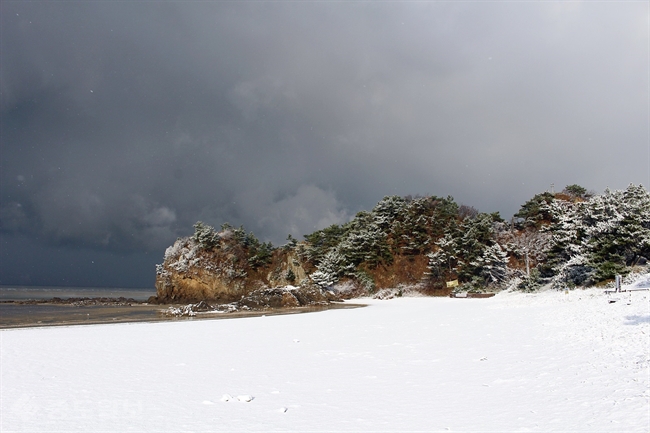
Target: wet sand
{"x":13,"y":315}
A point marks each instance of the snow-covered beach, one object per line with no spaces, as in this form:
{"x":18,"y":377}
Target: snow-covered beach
{"x":551,"y":361}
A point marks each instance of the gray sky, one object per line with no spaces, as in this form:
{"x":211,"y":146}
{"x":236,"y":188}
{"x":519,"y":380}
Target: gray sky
{"x":123,"y":123}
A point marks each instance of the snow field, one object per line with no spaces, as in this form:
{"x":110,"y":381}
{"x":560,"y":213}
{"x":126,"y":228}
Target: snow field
{"x":544,"y":362}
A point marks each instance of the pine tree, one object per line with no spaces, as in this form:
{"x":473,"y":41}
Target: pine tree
{"x":492,"y":265}
{"x":323,"y":279}
{"x":596,"y":239}
{"x":321,"y":241}
{"x":618,"y":230}
{"x":443,"y":261}
{"x":576,"y":191}
{"x":534,"y":211}
{"x":205,"y":236}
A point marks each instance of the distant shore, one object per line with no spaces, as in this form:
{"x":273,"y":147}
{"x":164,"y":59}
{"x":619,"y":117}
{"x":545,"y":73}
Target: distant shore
{"x":80,"y":311}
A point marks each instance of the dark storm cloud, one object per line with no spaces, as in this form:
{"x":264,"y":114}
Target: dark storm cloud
{"x":124,"y":123}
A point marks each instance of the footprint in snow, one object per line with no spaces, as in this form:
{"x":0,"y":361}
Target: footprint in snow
{"x":483,"y":359}
{"x":243,"y":398}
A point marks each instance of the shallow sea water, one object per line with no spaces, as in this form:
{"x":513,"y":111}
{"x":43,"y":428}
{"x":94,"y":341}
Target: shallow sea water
{"x":43,"y":314}
{"x":23,"y":293}
{"x":18,"y":315}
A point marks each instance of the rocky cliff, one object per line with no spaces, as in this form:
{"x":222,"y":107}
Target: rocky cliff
{"x":229,"y":266}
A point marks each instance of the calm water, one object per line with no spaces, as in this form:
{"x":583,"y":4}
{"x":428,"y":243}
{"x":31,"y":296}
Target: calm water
{"x":17,"y":315}
{"x":22,"y":293}
{"x":27,"y":315}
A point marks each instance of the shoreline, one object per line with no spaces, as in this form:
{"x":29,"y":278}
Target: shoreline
{"x":21,"y":315}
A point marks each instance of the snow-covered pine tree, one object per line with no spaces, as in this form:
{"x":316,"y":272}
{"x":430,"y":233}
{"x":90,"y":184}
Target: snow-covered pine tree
{"x":388,"y":210}
{"x":415,"y":236}
{"x":567,"y":233}
{"x":618,"y":230}
{"x":205,"y":235}
{"x":567,"y":263}
{"x":323,"y":279}
{"x":321,"y":241}
{"x":443,"y":216}
{"x":598,"y":238}
{"x":332,"y":266}
{"x":335,"y":263}
{"x":444,"y":259}
{"x":535,"y":211}
{"x":366,"y":245}
{"x":476,"y":236}
{"x":492,"y":265}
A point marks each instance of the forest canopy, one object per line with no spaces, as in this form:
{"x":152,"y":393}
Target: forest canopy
{"x":566,"y":239}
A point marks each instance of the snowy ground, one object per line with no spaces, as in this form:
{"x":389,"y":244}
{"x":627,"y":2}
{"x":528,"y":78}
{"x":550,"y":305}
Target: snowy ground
{"x":516,"y":362}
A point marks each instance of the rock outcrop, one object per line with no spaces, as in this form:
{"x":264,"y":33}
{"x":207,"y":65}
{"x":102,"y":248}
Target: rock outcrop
{"x":284,"y":297}
{"x":228,"y":267}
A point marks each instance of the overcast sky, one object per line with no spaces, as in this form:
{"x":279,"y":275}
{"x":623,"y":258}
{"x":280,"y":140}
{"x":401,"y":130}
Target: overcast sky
{"x":123,"y":123}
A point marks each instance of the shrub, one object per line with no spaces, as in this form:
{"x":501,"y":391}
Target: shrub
{"x":530,"y":283}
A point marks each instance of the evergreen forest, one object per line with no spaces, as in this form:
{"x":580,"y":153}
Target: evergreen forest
{"x":568,"y":239}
